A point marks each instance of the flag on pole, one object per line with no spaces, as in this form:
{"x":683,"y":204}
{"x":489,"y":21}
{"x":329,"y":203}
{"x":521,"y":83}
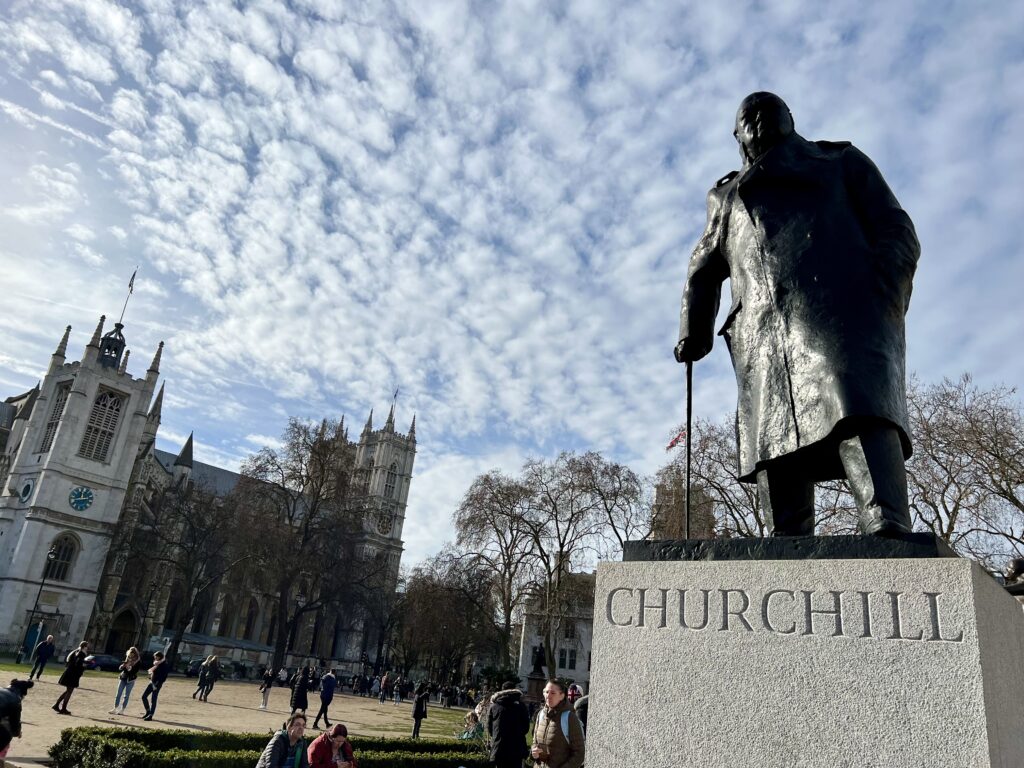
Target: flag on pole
{"x":675,"y":440}
{"x":131,"y":283}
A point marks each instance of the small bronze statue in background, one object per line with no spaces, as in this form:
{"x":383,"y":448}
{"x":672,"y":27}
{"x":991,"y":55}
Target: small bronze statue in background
{"x":821,"y":258}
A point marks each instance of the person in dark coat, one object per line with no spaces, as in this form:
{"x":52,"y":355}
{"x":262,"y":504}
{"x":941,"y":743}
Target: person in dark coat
{"x":582,"y":706}
{"x":157,"y":677}
{"x":300,"y":690}
{"x":10,"y":713}
{"x":71,"y":676}
{"x":328,"y":683}
{"x":43,"y":652}
{"x":821,"y":258}
{"x":508,"y":722}
{"x":419,"y":709}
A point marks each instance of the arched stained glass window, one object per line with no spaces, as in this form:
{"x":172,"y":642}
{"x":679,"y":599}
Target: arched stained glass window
{"x":65,"y":549}
{"x":60,"y":397}
{"x":391,"y":482}
{"x":99,"y":432}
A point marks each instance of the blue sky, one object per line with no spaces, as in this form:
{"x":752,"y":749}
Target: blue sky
{"x":488,"y":205}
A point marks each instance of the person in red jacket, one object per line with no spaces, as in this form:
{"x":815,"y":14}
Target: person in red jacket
{"x":332,"y":749}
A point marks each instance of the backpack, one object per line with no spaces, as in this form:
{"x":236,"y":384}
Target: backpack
{"x":564,"y":723}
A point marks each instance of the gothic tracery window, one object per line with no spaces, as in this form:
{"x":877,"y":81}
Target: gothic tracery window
{"x":99,"y":432}
{"x":60,"y":397}
{"x":391,"y":483}
{"x":65,"y":548}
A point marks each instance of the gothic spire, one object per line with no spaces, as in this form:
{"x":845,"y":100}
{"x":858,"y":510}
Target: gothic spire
{"x":154,"y":367}
{"x":185,"y":457}
{"x":412,"y":428}
{"x":158,"y":405}
{"x":369,"y":423}
{"x":98,"y":333}
{"x":62,"y":348}
{"x":389,"y":425}
{"x":124,"y":362}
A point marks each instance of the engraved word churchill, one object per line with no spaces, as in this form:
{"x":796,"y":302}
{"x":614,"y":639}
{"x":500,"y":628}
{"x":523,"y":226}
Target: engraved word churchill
{"x":800,"y":612}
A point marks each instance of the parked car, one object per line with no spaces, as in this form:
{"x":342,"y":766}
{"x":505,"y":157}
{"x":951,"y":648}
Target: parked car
{"x":103,"y":662}
{"x":192,"y":670}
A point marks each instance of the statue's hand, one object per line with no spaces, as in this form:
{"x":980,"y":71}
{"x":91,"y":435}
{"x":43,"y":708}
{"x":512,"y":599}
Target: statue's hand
{"x":689,"y":351}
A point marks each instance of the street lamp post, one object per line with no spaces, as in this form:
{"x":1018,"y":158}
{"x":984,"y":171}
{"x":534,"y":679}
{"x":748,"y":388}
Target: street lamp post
{"x":50,"y":557}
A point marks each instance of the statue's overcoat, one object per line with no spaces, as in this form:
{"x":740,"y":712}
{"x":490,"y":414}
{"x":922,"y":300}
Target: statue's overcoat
{"x":821,"y":257}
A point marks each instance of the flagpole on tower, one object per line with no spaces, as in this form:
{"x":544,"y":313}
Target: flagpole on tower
{"x":131,"y":287}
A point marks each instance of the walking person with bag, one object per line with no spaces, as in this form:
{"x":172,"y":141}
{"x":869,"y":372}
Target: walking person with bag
{"x":558,"y":735}
{"x":127,"y":673}
{"x":71,"y":676}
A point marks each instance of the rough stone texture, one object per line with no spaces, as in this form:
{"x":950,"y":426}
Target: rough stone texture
{"x":727,"y":695}
{"x":789,"y":548}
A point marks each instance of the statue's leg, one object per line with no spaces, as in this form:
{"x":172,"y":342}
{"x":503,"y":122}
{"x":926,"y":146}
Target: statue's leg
{"x":787,"y":500}
{"x":873,"y":461}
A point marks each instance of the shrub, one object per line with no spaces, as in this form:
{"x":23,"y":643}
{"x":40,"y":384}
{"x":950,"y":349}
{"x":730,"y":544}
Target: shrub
{"x":143,"y":748}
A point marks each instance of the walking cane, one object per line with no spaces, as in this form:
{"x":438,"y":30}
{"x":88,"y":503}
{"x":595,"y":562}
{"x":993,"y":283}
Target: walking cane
{"x":689,"y":424}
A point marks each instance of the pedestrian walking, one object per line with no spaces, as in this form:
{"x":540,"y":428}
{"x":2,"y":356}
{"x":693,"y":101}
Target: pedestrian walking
{"x":43,"y":652}
{"x":398,"y":691}
{"x":286,"y":748}
{"x":74,"y":668}
{"x":581,"y":706}
{"x":213,"y":674}
{"x":332,"y":749}
{"x":300,"y":691}
{"x":157,"y":677}
{"x":268,"y":683}
{"x":327,"y":685}
{"x":419,"y":709}
{"x":508,"y":722}
{"x":10,"y":714}
{"x":126,"y":675}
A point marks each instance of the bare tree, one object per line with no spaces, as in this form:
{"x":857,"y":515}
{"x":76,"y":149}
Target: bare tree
{"x":190,"y":531}
{"x":966,"y":476}
{"x":564,"y":521}
{"x":493,"y":535}
{"x":296,"y":498}
{"x":440,"y":628}
{"x":619,"y":497}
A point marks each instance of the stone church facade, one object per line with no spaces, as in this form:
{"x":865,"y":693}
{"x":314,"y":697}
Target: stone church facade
{"x":78,"y":468}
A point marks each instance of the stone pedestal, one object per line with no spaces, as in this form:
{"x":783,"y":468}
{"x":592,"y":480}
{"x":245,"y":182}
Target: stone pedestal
{"x":892,"y":663}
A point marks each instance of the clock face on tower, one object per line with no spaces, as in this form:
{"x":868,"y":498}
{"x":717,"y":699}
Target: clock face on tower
{"x":80,"y":498}
{"x":384,"y":522}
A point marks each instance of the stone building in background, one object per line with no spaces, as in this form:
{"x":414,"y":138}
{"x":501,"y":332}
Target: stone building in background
{"x":79,"y":469}
{"x":668,"y":514}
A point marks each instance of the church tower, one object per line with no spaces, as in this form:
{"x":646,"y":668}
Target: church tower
{"x":68,"y":459}
{"x":383,"y":465}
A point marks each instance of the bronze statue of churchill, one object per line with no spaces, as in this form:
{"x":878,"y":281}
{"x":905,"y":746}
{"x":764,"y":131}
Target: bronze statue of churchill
{"x":820,"y":257}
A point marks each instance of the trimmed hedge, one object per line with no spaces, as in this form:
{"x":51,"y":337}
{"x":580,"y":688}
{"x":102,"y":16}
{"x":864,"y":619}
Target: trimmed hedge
{"x":142,"y":748}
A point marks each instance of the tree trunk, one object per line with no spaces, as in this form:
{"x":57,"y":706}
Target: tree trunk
{"x":283,"y":631}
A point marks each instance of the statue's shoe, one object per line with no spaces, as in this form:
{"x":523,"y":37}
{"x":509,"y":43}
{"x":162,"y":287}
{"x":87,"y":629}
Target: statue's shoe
{"x":886,"y":528}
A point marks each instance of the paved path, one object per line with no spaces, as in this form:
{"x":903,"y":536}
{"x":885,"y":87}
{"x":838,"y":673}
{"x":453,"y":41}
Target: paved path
{"x":233,"y":706}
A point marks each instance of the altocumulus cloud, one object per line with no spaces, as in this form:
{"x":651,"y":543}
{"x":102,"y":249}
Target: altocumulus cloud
{"x":488,"y":205}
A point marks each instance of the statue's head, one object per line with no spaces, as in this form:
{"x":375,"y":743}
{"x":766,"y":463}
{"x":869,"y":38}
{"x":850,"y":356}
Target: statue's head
{"x":762,"y":121}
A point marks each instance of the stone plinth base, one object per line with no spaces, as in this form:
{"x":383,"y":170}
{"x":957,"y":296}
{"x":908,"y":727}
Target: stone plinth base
{"x":840,"y":663}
